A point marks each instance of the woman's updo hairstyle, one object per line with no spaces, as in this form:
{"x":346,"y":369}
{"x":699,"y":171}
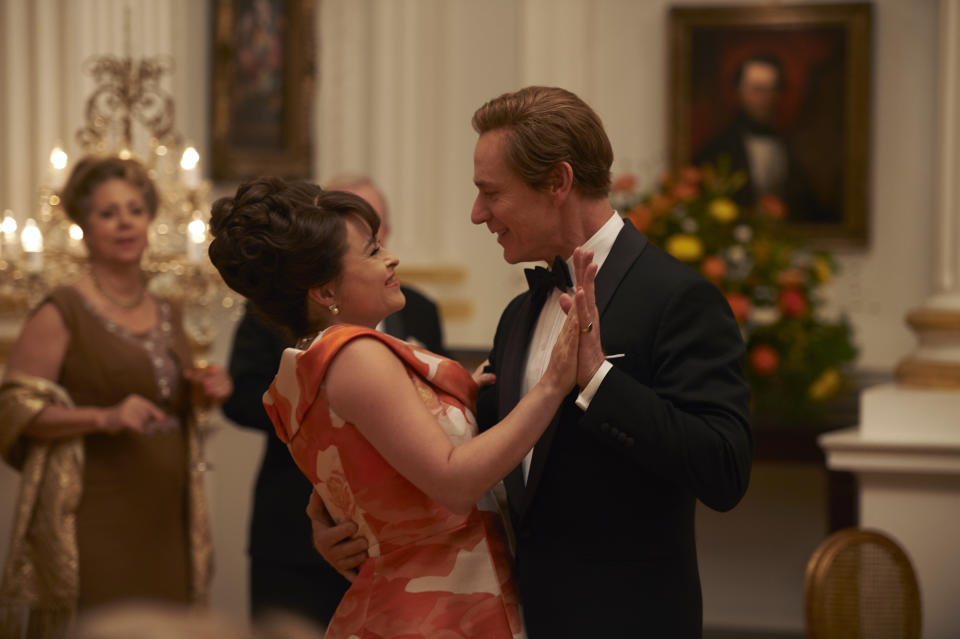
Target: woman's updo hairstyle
{"x":275,"y":240}
{"x":91,"y":172}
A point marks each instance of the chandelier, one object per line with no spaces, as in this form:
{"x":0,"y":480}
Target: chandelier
{"x":131,"y":116}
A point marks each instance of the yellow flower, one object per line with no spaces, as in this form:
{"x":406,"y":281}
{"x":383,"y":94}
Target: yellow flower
{"x":723,"y":209}
{"x":821,"y":268}
{"x":687,"y":248}
{"x":824,"y":386}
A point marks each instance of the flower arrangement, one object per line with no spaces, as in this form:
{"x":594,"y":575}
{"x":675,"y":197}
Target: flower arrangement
{"x":795,"y":354}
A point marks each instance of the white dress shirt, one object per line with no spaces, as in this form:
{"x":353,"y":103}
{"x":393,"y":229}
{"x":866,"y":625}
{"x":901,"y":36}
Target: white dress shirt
{"x":551,"y":319}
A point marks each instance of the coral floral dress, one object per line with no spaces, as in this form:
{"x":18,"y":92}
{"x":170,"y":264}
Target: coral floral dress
{"x":431,"y":573}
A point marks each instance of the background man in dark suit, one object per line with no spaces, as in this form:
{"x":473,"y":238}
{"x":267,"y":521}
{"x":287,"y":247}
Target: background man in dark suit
{"x":286,"y":574}
{"x":603,"y":508}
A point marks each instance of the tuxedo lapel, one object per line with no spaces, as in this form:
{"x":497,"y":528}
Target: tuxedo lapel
{"x":510,"y":381}
{"x":515,"y":351}
{"x":540,"y":450}
{"x":626,"y":249}
{"x":624,"y":252}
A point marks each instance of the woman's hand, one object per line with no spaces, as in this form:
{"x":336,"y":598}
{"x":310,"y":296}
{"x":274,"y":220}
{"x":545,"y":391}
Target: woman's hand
{"x":134,"y":413}
{"x":481,"y":378}
{"x":590,"y":355}
{"x":336,"y":544}
{"x":211,"y":383}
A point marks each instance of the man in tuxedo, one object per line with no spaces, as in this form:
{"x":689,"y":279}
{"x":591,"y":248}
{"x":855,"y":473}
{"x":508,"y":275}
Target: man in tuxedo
{"x":286,"y":574}
{"x":603,"y":507}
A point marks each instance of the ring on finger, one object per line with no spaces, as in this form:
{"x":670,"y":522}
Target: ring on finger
{"x":587,"y":328}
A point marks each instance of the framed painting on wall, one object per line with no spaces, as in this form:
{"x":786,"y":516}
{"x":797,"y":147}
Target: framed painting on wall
{"x":263,"y":67}
{"x":782,"y":93}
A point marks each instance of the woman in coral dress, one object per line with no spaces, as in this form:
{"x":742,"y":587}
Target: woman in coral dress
{"x":384,"y":430}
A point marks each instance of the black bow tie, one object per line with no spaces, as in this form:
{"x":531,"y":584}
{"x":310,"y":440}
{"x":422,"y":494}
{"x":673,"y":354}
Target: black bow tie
{"x":542,"y":279}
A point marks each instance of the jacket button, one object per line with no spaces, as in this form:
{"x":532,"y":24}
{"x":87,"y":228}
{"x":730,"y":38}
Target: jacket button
{"x":621,"y":437}
{"x":604,"y":427}
{"x":629,"y":442}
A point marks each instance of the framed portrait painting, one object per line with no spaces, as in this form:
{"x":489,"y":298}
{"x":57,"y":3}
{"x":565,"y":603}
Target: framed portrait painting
{"x":781,"y":93}
{"x":263,"y":67}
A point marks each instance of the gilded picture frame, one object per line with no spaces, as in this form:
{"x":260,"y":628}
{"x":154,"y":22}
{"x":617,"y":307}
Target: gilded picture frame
{"x":263,"y":82}
{"x":813,"y":116}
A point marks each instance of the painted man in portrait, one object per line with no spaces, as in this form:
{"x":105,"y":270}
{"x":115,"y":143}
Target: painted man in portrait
{"x":754,"y":144}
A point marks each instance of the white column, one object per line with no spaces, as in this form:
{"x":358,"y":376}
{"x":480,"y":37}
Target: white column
{"x":558,"y":44}
{"x":948,"y":196}
{"x":46,"y":81}
{"x":343,"y":132}
{"x":19,"y":121}
{"x":936,"y":360}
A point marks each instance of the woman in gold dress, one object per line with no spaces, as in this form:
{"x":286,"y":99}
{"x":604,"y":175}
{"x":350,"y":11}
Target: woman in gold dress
{"x":95,"y":411}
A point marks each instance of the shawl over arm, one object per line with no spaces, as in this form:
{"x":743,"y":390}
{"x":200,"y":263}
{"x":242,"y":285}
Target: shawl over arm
{"x":41,"y":566}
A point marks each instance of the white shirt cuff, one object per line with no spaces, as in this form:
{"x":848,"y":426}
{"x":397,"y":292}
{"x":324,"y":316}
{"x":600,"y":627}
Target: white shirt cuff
{"x":586,"y":395}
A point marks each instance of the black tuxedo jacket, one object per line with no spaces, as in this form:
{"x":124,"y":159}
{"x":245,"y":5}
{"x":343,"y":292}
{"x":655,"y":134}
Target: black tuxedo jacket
{"x":605,"y":524}
{"x":279,"y":529}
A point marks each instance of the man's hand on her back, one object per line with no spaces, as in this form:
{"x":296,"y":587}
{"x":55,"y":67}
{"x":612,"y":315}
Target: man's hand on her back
{"x":336,"y":544}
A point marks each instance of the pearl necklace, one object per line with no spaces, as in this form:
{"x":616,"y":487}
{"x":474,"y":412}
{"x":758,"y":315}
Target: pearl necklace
{"x":118,"y":302}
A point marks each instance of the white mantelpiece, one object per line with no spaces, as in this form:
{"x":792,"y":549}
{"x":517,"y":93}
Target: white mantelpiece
{"x":906,"y":455}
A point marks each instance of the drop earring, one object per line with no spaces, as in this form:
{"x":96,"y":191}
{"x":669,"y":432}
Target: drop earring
{"x":334,"y":309}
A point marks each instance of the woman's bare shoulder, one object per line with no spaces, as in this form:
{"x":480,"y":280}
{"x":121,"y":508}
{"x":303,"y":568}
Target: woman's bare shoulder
{"x":42,"y":343}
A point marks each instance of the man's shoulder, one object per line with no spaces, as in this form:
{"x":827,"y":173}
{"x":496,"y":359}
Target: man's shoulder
{"x":416,"y":299}
{"x":659,"y":267}
{"x":514,"y":304}
{"x":657,"y":280}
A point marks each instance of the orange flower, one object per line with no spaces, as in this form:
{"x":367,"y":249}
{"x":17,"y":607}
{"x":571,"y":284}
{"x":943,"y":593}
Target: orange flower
{"x":739,"y":304}
{"x":791,"y":277}
{"x":641,"y":216}
{"x":764,"y":359}
{"x":691,"y":174}
{"x":685,"y":191}
{"x":773,"y":207}
{"x":624,"y":183}
{"x":713,"y":268}
{"x":660,"y":203}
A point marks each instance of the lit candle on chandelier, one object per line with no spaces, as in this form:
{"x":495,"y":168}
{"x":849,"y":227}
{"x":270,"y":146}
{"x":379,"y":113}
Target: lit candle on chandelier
{"x":58,"y":166}
{"x":196,"y":240}
{"x":9,"y":229}
{"x":75,"y":235}
{"x":31,"y":239}
{"x":190,"y":167}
